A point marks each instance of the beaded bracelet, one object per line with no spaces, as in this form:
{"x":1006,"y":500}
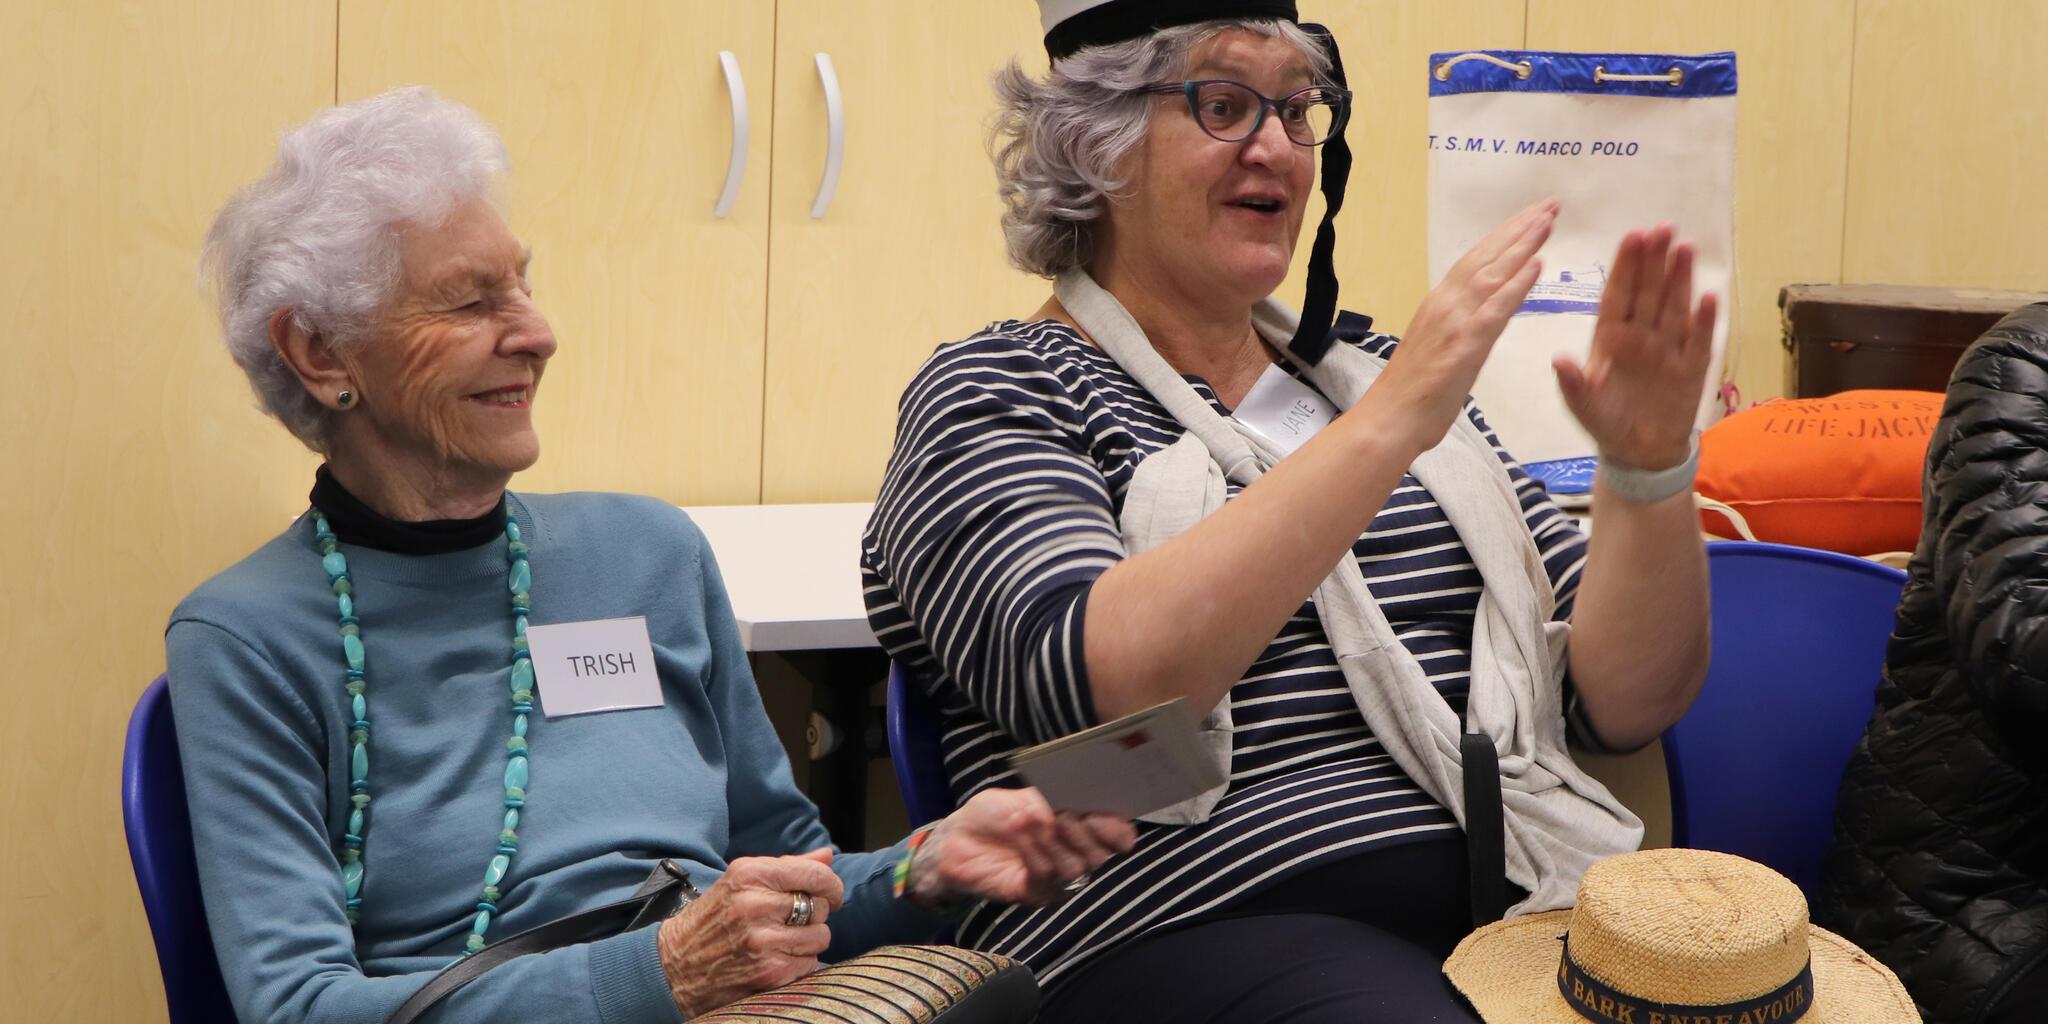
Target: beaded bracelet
{"x":917,"y":838}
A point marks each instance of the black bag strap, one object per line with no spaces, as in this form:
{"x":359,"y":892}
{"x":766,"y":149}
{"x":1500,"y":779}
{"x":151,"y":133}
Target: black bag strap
{"x":666,"y":891}
{"x":1486,"y":849}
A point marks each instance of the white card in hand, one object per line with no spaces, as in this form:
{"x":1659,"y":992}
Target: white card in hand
{"x":1130,"y":767}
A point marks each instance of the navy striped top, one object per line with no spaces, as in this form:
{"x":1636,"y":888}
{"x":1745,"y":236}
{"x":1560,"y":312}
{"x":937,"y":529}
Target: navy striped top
{"x":1014,"y":448}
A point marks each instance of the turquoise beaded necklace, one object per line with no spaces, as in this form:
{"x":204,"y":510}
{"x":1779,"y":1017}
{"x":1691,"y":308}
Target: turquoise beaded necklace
{"x":519,"y":581}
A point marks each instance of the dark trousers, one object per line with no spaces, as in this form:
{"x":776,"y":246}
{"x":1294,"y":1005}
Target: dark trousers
{"x":1358,"y":941}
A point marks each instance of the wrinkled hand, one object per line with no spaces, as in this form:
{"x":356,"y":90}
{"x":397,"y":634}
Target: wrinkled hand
{"x":734,"y":940}
{"x":1454,"y":329}
{"x":1010,"y":846}
{"x":1640,"y":389}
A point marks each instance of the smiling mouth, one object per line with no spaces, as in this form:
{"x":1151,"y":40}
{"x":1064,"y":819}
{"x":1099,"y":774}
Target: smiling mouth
{"x":505,"y":398}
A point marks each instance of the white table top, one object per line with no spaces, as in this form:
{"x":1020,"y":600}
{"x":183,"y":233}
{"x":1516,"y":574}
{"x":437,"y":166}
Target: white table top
{"x":792,"y":572}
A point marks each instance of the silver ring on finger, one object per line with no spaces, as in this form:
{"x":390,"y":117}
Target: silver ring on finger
{"x":1078,"y":884}
{"x":799,"y":911}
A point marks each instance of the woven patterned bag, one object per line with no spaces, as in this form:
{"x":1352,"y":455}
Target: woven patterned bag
{"x":892,"y":985}
{"x":898,"y":985}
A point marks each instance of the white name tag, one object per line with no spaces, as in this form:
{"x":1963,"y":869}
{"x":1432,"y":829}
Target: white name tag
{"x":1283,"y":410}
{"x":601,"y":665}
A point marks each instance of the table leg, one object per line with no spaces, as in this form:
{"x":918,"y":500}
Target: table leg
{"x":841,"y":686}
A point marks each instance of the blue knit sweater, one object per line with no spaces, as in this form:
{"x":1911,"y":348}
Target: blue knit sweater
{"x":256,"y":688}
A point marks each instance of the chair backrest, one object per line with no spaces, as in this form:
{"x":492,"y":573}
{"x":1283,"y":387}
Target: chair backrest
{"x":1798,"y":650}
{"x":160,"y":845}
{"x":913,"y":726}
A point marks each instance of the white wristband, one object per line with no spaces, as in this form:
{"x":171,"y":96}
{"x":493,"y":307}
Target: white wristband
{"x":1647,"y":487}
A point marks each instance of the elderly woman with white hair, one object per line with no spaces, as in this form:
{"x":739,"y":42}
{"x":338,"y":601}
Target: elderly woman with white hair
{"x":387,"y":772}
{"x":1163,"y":485}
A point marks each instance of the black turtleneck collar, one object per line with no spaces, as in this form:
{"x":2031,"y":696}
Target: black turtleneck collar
{"x":356,"y":523}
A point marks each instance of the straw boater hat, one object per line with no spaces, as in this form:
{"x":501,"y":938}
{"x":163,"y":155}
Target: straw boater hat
{"x":1675,"y":937}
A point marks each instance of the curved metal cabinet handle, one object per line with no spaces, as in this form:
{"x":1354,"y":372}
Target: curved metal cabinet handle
{"x":835,"y":136}
{"x":736,"y":164}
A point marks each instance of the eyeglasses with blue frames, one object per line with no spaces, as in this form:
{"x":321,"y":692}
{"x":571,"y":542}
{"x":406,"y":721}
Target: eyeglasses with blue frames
{"x":1233,"y":111}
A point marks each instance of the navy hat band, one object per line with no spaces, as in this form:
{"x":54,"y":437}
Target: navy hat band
{"x":1118,"y":20}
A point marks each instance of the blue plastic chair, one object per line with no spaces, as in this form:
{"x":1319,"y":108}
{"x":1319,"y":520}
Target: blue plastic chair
{"x":1798,"y":649}
{"x":160,"y":844}
{"x":913,"y":727}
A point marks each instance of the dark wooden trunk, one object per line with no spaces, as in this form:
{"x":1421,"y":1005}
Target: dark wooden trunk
{"x":1848,"y":336}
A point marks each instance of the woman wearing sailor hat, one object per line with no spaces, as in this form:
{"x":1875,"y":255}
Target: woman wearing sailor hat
{"x":1117,"y":501}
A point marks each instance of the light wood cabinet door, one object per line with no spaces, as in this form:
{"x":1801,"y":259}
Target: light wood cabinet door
{"x":135,"y":462}
{"x":910,"y":253}
{"x":1948,"y":134}
{"x":619,"y":126}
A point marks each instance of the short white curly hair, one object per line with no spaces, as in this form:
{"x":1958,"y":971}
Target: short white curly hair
{"x":317,"y":233}
{"x":1059,"y":141}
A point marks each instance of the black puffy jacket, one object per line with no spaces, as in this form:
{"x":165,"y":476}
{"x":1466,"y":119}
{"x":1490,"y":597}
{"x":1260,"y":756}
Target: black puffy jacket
{"x":1940,"y":862}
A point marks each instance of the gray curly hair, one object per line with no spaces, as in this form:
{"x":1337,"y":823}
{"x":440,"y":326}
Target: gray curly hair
{"x":317,"y":234}
{"x":1058,"y":142}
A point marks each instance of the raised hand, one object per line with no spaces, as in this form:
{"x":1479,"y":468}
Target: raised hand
{"x":736,"y":939}
{"x":1454,"y":329}
{"x":1639,"y":390}
{"x":1010,"y":846}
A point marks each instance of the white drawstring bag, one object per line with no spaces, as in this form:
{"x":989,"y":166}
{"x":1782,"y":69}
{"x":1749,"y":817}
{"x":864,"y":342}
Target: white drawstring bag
{"x":1622,"y":141}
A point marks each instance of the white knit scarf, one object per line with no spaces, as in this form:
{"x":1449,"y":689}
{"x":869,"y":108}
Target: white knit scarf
{"x":1559,"y":820}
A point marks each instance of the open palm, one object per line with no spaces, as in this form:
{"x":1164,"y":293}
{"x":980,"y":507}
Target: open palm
{"x":1639,"y":390}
